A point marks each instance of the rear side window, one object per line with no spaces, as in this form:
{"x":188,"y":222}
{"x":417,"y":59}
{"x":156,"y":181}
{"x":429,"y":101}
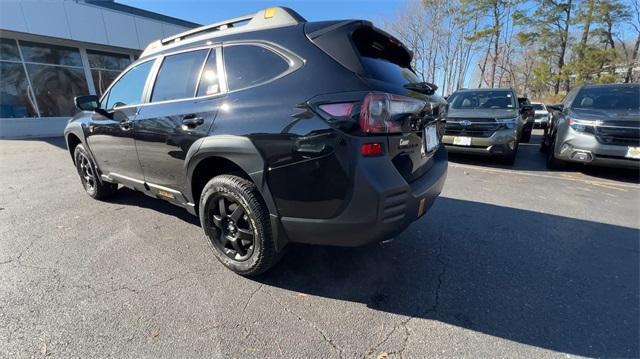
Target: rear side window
{"x":128,"y":90}
{"x":178,"y":76}
{"x":249,"y":65}
{"x":209,"y":81}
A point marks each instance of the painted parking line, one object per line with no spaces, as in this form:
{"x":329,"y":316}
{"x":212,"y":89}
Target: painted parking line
{"x":562,"y":176}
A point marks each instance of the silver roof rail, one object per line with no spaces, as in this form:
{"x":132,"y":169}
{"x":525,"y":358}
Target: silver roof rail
{"x":267,"y":18}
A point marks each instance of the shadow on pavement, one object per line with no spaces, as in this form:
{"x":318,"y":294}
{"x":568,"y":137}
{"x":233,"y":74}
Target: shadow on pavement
{"x":553,"y":282}
{"x":126,"y":196}
{"x":54,"y":141}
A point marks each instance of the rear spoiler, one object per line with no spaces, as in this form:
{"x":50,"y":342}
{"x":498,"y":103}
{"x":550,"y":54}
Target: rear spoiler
{"x":335,"y":39}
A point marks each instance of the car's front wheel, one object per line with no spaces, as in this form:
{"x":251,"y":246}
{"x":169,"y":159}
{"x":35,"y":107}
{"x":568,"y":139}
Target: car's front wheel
{"x":236,"y":223}
{"x":552,"y":162}
{"x":89,"y":175}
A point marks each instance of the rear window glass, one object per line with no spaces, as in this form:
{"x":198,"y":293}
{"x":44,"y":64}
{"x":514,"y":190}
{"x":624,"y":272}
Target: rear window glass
{"x":248,"y":65}
{"x":482,"y":100}
{"x":383,"y":57}
{"x":538,"y":107}
{"x":388,"y":72}
{"x":178,"y":76}
{"x":609,"y":98}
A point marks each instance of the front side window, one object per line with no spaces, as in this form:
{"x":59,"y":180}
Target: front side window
{"x":249,"y":65}
{"x":128,"y":90}
{"x":482,"y":100}
{"x":178,"y":76}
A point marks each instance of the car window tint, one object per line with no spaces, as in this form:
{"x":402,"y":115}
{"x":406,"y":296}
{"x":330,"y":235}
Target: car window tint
{"x":209,"y":83}
{"x":128,"y":90}
{"x":248,"y":65}
{"x":178,"y":76}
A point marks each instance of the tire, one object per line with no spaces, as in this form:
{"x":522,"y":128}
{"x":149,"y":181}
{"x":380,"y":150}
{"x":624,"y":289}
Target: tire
{"x":552,"y":162}
{"x":89,"y":177}
{"x":526,"y":137}
{"x":510,"y":158}
{"x":236,"y":224}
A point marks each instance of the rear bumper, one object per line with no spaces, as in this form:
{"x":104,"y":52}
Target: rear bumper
{"x":383,"y":204}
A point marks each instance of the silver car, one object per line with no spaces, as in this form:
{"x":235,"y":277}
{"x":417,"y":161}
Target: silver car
{"x":596,"y":124}
{"x":541,"y":117}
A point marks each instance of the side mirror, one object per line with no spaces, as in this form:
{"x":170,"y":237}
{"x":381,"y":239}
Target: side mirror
{"x":557,"y":107}
{"x":87,"y":103}
{"x":526,"y":108}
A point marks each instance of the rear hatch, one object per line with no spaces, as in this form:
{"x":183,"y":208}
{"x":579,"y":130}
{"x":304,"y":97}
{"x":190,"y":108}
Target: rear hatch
{"x":384,"y":65}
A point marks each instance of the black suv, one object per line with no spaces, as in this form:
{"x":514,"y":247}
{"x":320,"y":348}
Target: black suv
{"x":272,"y":130}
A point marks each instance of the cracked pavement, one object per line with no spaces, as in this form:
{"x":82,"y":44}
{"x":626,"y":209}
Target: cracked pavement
{"x":515,"y":262}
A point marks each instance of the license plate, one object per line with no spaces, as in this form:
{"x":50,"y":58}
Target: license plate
{"x":462,"y":141}
{"x":633,"y":152}
{"x":431,"y":138}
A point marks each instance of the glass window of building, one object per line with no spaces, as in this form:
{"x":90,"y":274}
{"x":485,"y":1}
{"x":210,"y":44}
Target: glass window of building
{"x":16,"y":98}
{"x":57,"y":76}
{"x":105,"y":67}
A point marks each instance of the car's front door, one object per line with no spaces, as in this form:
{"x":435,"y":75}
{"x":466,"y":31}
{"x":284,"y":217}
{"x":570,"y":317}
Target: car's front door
{"x":182,"y":106}
{"x":110,"y":133}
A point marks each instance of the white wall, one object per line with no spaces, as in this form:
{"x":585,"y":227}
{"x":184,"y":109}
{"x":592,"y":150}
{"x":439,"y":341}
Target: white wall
{"x":79,"y":21}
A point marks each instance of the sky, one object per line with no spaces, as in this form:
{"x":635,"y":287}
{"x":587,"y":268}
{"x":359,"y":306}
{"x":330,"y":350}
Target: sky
{"x":207,"y":12}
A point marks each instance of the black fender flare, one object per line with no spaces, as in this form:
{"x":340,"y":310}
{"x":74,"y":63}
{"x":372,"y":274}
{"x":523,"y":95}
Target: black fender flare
{"x":238,"y":149}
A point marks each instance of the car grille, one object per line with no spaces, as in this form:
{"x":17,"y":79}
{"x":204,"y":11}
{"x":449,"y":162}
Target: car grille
{"x":478,"y":127}
{"x":627,"y":134}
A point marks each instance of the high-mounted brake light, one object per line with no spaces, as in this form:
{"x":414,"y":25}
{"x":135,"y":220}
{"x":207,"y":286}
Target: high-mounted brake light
{"x":380,"y":112}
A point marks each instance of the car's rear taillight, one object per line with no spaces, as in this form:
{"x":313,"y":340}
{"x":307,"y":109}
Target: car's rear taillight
{"x":382,"y":112}
{"x":338,"y":109}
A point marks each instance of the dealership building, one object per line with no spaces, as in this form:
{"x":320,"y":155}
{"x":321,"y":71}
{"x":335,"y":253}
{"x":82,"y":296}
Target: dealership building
{"x":51,"y":51}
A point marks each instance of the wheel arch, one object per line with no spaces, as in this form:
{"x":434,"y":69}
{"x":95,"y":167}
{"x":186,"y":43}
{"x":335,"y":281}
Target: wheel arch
{"x":226,"y":154}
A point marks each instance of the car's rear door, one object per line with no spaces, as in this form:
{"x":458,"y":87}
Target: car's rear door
{"x":182,"y":105}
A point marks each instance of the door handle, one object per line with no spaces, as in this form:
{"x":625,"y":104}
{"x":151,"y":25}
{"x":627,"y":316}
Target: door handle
{"x":192,"y":121}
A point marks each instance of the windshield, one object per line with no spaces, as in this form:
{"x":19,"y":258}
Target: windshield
{"x":608,"y":98}
{"x":538,"y":107}
{"x":482,"y":99}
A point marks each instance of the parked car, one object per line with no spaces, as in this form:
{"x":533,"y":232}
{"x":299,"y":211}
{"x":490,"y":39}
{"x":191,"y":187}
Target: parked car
{"x":528,"y":114}
{"x":485,"y":121}
{"x":596,"y":125}
{"x":541,"y":117}
{"x":272,"y":130}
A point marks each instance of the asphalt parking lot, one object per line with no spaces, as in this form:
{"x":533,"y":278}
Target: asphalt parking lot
{"x":509,"y":262}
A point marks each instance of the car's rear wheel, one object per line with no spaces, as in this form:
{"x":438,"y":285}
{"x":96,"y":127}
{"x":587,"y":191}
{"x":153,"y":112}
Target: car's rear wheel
{"x":89,"y":175}
{"x":236,"y":223}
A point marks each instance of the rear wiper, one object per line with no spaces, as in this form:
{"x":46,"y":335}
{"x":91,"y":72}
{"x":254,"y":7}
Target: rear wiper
{"x":423,"y":87}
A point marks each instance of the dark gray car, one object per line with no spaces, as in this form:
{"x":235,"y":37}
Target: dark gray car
{"x":596,"y":124}
{"x":485,"y":121}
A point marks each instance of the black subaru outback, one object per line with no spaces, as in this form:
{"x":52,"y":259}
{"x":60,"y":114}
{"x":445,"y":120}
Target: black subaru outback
{"x":272,"y":130}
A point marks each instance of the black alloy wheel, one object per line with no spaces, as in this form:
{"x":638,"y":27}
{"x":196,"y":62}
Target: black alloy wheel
{"x":237,"y":225}
{"x":235,"y":237}
{"x":87,"y":174}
